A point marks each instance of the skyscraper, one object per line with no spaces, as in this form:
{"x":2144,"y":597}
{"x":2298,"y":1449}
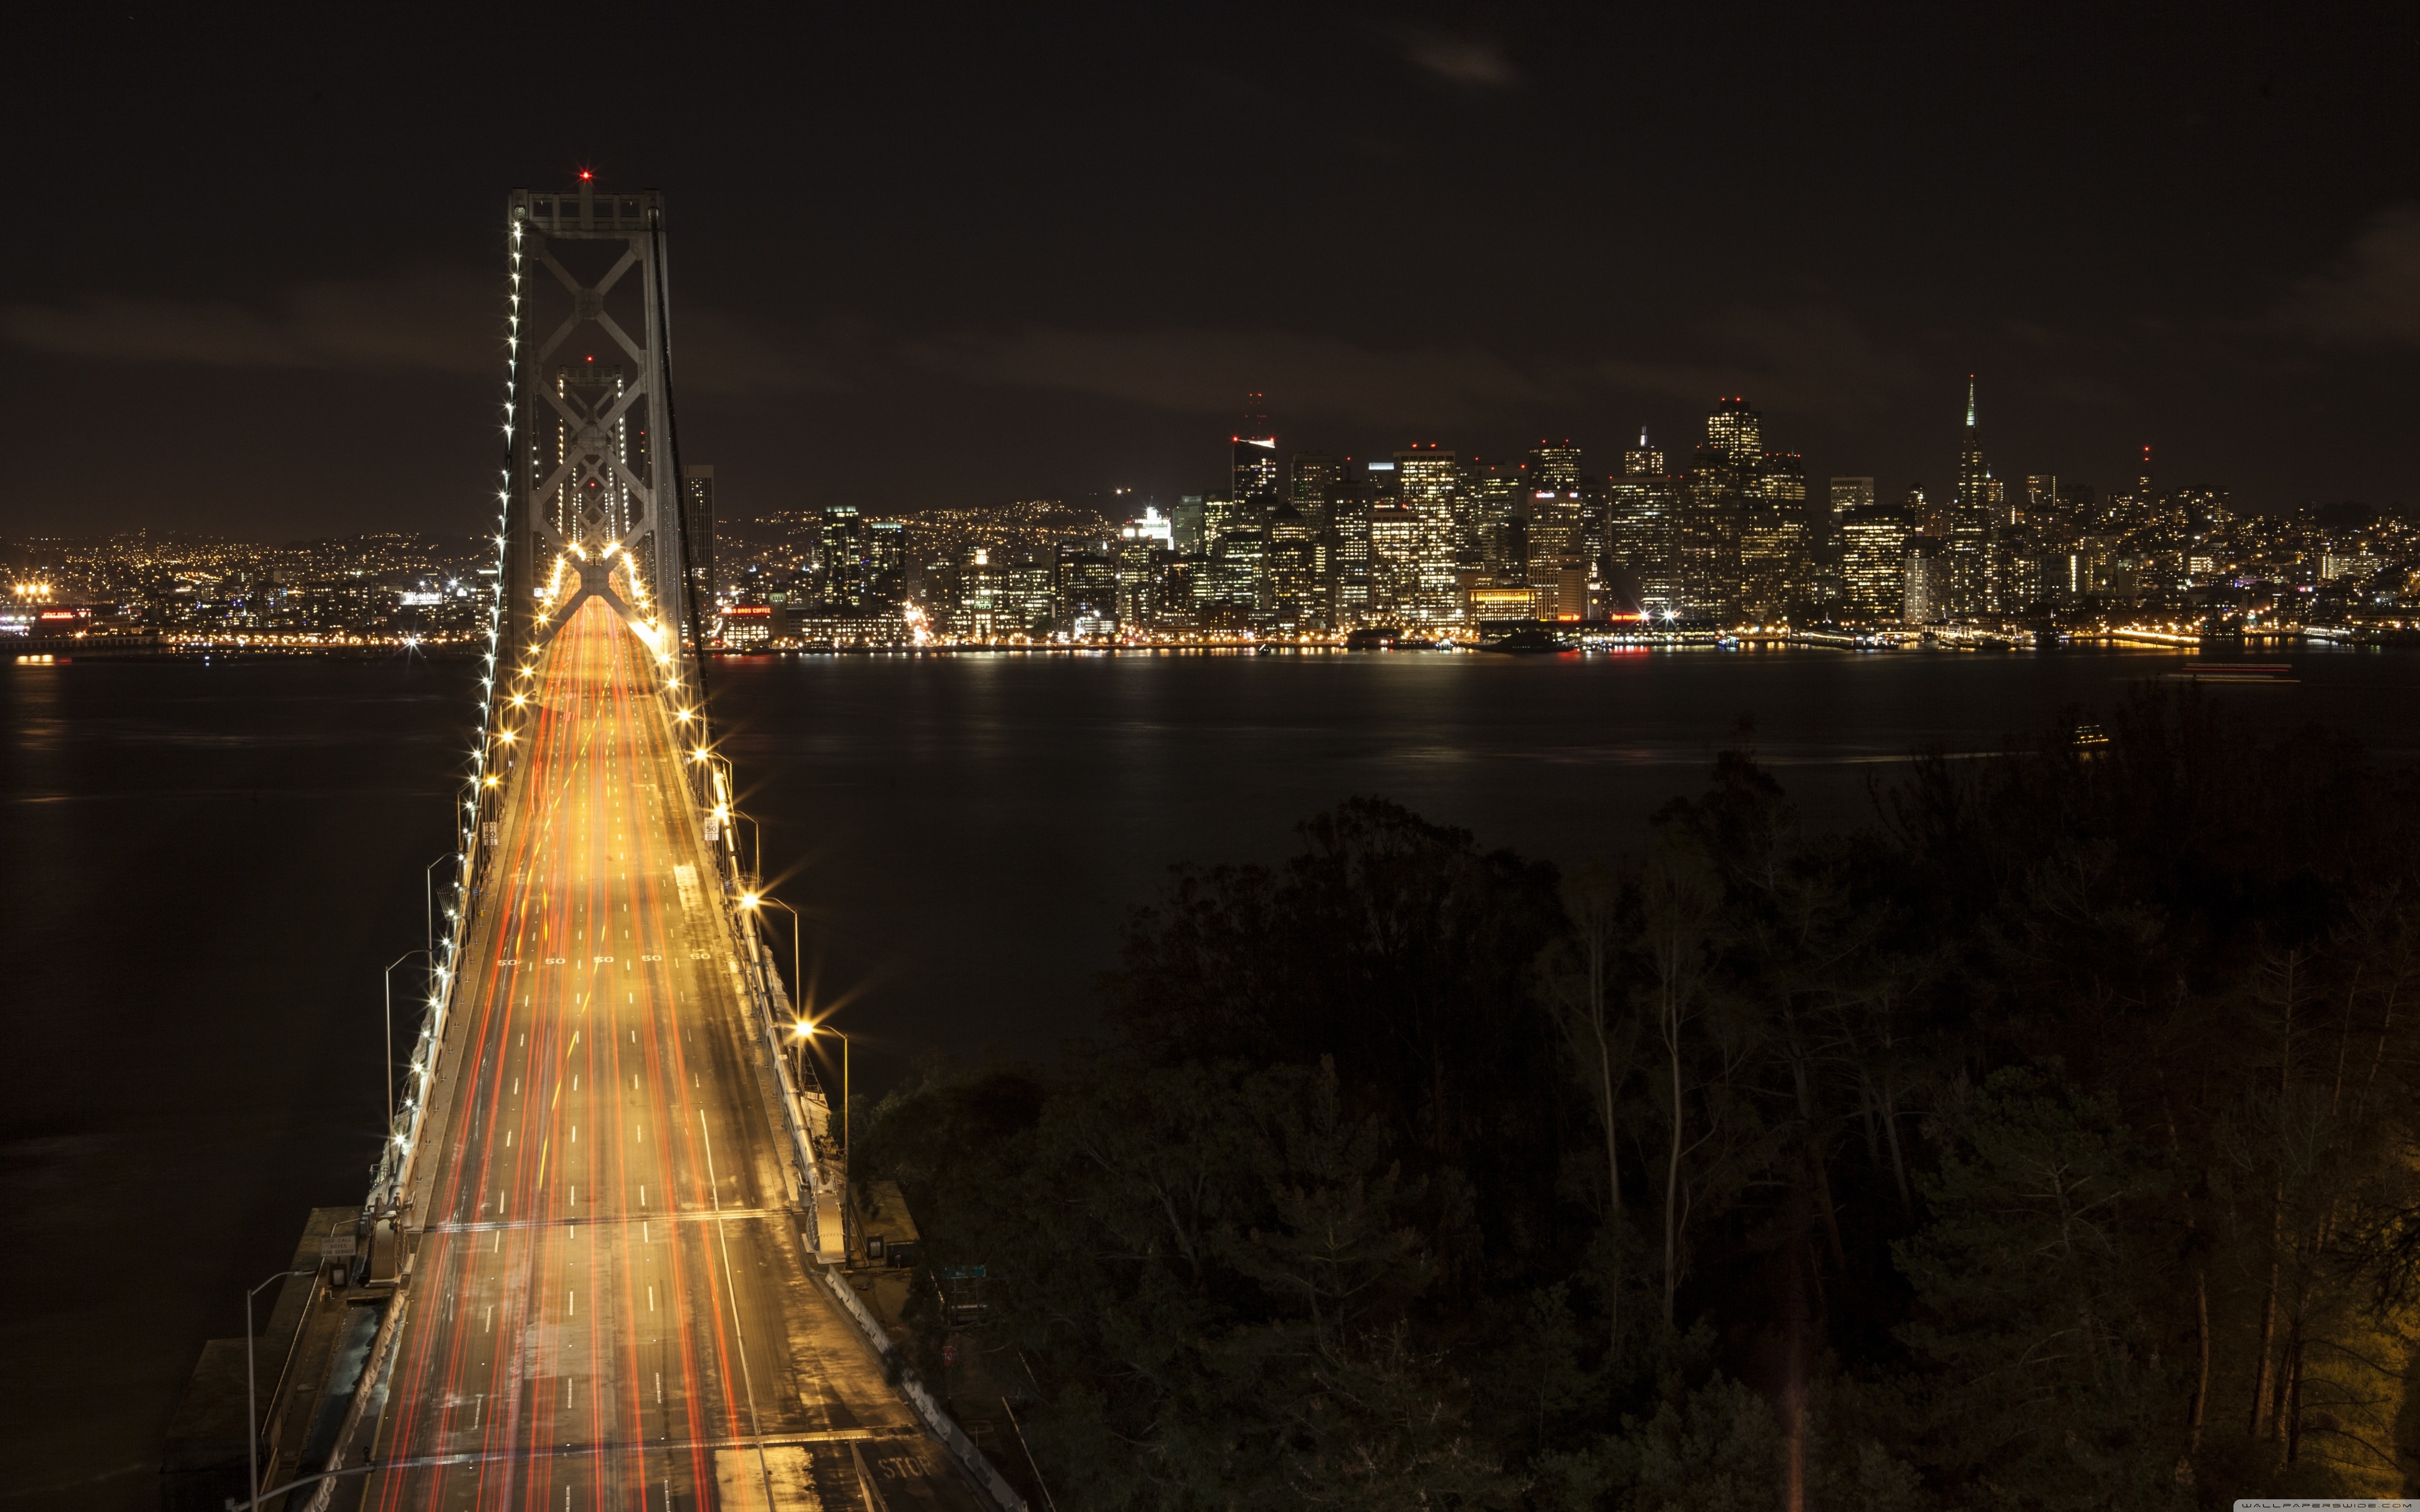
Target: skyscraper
{"x":886,"y":555}
{"x":845,"y":574}
{"x":1642,"y":460}
{"x":1144,"y":544}
{"x":1317,"y":476}
{"x":1873,"y":559}
{"x":1190,"y":524}
{"x":1288,"y":560}
{"x":1427,"y":479}
{"x":1976,"y":508}
{"x":1557,"y":567}
{"x":1926,"y":582}
{"x":1774,"y":557}
{"x":1394,"y":562}
{"x":1720,"y":474}
{"x":1736,"y":431}
{"x":1555,"y":467}
{"x":1348,"y":585}
{"x":1252,"y":465}
{"x":1494,"y":495}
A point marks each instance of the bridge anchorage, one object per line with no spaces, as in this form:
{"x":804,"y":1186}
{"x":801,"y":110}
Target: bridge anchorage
{"x":606,"y":1256}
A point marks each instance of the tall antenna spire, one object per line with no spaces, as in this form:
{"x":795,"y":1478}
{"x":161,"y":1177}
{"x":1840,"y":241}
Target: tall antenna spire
{"x":1970,"y":401}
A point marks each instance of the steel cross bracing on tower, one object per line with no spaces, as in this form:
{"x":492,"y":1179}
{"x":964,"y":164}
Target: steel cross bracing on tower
{"x":592,"y":468}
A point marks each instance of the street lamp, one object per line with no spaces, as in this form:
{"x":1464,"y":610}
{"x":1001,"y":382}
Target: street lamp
{"x":428,"y":898}
{"x":797,"y":976}
{"x":251,"y":1388}
{"x":390,"y":1025}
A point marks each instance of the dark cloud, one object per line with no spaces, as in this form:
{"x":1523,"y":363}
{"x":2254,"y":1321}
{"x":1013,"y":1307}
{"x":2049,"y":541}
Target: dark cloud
{"x":435,"y":321}
{"x":2371,"y":296}
{"x":1202,"y":371}
{"x":1464,"y":62}
{"x":432,"y":321}
{"x":1815,"y":360}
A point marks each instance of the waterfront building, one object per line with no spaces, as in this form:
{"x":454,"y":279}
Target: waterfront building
{"x":1720,"y":473}
{"x":1873,"y":561}
{"x":1227,"y":591}
{"x":1427,"y":482}
{"x":1394,"y":561}
{"x":1493,"y":495}
{"x":886,"y":558}
{"x":1643,"y":508}
{"x":1139,"y":555}
{"x":1290,"y":560}
{"x":1348,"y":554}
{"x":1977,"y":512}
{"x":1927,"y":584}
{"x":1773,"y":559}
{"x":844,"y":570}
{"x":1086,"y":593}
{"x":1557,"y":572}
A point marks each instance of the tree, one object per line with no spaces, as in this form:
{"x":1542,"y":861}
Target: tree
{"x":2041,"y":1382}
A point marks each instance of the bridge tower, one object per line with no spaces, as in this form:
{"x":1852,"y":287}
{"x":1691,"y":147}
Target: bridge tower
{"x":594,"y":462}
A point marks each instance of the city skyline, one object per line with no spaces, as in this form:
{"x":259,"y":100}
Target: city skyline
{"x":1686,"y":539}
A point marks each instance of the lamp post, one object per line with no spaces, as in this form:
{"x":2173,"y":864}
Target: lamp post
{"x":250,"y":1386}
{"x":428,"y":898}
{"x":798,"y":975}
{"x":390,"y":1025}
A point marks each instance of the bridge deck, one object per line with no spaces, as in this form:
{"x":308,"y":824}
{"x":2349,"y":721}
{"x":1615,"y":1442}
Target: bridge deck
{"x":611,"y":1303}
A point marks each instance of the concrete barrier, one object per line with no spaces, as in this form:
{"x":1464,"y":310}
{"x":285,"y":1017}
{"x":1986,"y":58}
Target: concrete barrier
{"x":911,"y":1386}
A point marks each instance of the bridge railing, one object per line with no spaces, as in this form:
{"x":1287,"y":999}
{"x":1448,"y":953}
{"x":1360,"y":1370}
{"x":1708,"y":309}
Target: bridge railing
{"x":475,"y":817}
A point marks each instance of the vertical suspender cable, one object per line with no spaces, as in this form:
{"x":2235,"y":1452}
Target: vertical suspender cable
{"x":680,"y":482}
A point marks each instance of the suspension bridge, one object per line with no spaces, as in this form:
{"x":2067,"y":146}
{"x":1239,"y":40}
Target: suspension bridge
{"x":600,"y":1262}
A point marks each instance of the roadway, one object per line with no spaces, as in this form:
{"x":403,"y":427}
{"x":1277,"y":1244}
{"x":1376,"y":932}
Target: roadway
{"x":611,"y":1303}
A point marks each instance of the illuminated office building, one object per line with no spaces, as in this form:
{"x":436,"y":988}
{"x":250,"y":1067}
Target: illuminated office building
{"x":1252,"y":468}
{"x":1318,"y":477}
{"x":1642,"y":460}
{"x":1493,"y":496}
{"x":1086,"y":602}
{"x":1558,"y":574}
{"x":1555,"y":465}
{"x":1977,"y":512}
{"x":1349,"y":565}
{"x":1290,"y":560}
{"x":1737,"y":432}
{"x":1394,"y":562}
{"x":1926,"y":584}
{"x":1873,"y":560}
{"x":1427,"y":480}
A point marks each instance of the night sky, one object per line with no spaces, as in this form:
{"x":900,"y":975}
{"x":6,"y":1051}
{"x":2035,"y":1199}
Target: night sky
{"x":927,"y":257}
